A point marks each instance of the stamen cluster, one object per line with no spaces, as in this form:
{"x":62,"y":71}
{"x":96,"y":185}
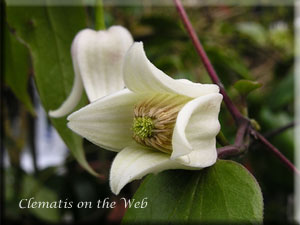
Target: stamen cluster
{"x":154,"y":121}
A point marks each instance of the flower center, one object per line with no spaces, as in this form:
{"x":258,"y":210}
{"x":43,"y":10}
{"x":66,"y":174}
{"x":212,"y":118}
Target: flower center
{"x":142,"y":127}
{"x":154,"y":121}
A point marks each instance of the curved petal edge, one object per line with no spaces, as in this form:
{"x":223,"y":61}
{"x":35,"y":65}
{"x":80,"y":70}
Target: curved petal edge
{"x":141,"y":76}
{"x":136,"y":161}
{"x":71,"y":102}
{"x":196,"y":128}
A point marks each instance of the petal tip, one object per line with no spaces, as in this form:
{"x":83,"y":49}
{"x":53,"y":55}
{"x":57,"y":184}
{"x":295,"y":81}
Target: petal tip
{"x":136,"y":46}
{"x":114,"y":183}
{"x":70,"y":126}
{"x":115,"y":188}
{"x":69,"y":117}
{"x":56,"y":114}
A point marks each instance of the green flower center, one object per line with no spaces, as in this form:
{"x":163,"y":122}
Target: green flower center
{"x":154,"y":120}
{"x":142,"y":127}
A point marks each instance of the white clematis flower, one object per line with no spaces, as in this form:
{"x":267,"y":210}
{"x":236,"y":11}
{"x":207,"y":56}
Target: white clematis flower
{"x":156,"y":123}
{"x":97,"y":60}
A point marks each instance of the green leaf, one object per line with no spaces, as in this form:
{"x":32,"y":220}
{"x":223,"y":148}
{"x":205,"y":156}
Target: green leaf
{"x":283,"y":91}
{"x":227,"y":61}
{"x":17,"y":68}
{"x":34,"y":189}
{"x":244,"y":87}
{"x":48,"y":32}
{"x":253,"y":30}
{"x":225,"y":192}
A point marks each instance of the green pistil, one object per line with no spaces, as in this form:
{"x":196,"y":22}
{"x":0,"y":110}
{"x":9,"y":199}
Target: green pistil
{"x":142,"y":127}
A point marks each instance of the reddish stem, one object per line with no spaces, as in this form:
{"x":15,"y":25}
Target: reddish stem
{"x":275,"y":151}
{"x":238,"y":146}
{"x":228,"y":150}
{"x":210,"y":69}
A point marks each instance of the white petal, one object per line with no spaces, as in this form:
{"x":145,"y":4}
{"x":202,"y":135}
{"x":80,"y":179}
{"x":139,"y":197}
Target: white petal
{"x":100,"y":56}
{"x":136,"y":161}
{"x":141,"y":76}
{"x":107,"y":122}
{"x":70,"y":103}
{"x":194,"y":136}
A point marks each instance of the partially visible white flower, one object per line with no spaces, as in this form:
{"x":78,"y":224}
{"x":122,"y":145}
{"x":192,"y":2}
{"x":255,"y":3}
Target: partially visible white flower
{"x":97,"y":60}
{"x":158,"y":123}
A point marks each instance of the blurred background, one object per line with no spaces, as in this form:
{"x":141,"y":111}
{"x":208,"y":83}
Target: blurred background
{"x":253,"y":43}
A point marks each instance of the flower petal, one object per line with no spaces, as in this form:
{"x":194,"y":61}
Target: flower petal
{"x":107,"y":122}
{"x":100,"y":55}
{"x":141,"y":76}
{"x":194,"y":136}
{"x":136,"y":161}
{"x":70,"y":103}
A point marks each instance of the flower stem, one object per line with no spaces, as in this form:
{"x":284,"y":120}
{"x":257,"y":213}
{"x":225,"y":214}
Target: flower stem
{"x":239,"y":146}
{"x":99,"y":16}
{"x":210,"y":69}
{"x":275,"y":151}
{"x":228,"y":150}
{"x":222,"y":139}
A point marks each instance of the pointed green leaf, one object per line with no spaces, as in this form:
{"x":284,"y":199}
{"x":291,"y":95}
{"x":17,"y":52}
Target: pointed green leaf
{"x":17,"y":68}
{"x":244,"y":87}
{"x":48,"y":33}
{"x":224,"y":193}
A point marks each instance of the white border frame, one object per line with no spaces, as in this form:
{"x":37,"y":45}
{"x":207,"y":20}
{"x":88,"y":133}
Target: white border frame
{"x":190,"y":3}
